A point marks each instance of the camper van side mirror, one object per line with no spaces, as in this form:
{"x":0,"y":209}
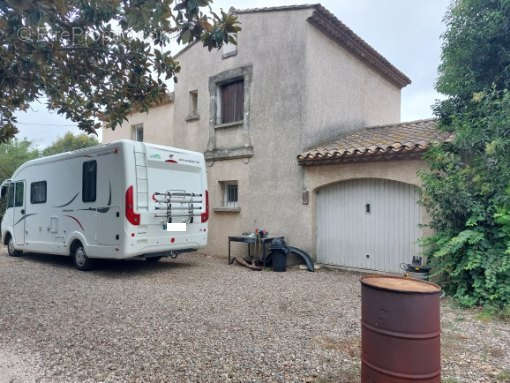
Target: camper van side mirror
{"x":3,"y":193}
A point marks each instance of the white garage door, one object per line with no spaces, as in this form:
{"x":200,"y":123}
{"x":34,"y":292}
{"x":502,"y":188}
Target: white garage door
{"x":368,"y":224}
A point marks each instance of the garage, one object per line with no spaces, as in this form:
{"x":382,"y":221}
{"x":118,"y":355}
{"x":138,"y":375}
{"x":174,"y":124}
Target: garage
{"x":364,"y":195}
{"x":368,"y":224}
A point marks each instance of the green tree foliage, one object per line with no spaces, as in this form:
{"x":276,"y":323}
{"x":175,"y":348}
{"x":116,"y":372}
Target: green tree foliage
{"x":467,"y":189}
{"x":476,"y":48}
{"x":12,"y":155}
{"x":96,"y":60}
{"x":70,"y":142}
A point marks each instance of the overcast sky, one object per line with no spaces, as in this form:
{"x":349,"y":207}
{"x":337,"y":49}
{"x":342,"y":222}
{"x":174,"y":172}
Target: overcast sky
{"x":406,"y":32}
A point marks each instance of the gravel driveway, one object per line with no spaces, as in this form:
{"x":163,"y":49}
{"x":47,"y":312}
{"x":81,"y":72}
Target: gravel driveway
{"x":196,"y":319}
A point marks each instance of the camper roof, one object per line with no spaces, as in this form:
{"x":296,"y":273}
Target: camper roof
{"x":94,"y":149}
{"x":61,"y":156}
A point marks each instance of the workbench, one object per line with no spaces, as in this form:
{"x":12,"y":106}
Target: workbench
{"x":251,"y":240}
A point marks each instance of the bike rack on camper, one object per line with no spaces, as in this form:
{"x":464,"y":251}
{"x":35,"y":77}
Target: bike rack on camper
{"x":186,"y":202}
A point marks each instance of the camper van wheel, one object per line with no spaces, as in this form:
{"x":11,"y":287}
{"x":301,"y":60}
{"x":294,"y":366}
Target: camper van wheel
{"x":81,"y":261}
{"x":10,"y":249}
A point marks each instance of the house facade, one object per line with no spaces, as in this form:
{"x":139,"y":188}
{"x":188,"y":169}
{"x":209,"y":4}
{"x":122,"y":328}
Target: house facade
{"x":279,"y":119}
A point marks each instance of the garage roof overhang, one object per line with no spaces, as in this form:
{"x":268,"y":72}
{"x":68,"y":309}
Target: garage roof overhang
{"x":408,"y":140}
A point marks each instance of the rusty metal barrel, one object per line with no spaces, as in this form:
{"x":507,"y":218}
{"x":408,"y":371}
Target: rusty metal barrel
{"x":400,"y":330}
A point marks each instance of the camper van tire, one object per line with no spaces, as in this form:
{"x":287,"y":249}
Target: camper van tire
{"x":80,"y":259}
{"x":10,"y":248}
{"x":153,"y":259}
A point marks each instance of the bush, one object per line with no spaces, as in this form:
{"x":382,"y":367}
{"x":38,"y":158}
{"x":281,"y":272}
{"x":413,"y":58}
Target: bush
{"x":467,"y":194}
{"x":466,"y":189}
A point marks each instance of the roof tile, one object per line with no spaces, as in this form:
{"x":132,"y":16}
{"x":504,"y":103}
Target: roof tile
{"x":377,"y":143}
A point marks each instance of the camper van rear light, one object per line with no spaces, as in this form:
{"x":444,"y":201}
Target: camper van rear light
{"x":131,"y":216}
{"x":171,"y":161}
{"x":205,"y":215}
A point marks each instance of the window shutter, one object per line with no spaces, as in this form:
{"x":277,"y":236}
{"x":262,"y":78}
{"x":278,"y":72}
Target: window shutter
{"x":239,"y":101}
{"x":232,"y":102}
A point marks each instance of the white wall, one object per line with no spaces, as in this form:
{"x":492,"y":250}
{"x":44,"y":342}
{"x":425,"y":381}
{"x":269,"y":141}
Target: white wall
{"x":342,"y":92}
{"x":157,"y":125}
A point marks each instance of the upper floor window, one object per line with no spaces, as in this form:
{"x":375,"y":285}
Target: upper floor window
{"x":193,"y":102}
{"x":193,"y":106}
{"x":229,"y":110}
{"x":232,"y":102}
{"x":89,"y":181}
{"x":38,"y":192}
{"x":138,"y":132}
{"x":229,"y":50}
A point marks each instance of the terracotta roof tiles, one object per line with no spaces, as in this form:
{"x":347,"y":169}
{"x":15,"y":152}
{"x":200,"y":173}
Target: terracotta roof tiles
{"x":407,"y":139}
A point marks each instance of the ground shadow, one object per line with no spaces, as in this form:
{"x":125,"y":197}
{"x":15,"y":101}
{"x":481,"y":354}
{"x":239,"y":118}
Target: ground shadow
{"x":54,"y":260}
{"x":137,"y":267}
{"x":110,"y":266}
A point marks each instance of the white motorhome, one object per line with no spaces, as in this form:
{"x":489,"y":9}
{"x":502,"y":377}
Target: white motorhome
{"x":122,"y":200}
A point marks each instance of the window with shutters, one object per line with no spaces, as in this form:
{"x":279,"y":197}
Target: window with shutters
{"x":232,"y":102}
{"x":229,"y":100}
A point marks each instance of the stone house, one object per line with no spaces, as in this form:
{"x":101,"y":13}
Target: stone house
{"x":283,"y":120}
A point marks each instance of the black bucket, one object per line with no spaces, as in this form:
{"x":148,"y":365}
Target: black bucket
{"x":279,"y":259}
{"x":279,"y":253}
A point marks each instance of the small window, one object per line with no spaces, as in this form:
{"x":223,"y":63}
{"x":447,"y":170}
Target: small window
{"x":89,"y":181}
{"x":38,"y":192}
{"x":230,"y":194}
{"x":229,"y":50}
{"x":193,"y":106}
{"x":10,"y":196}
{"x":138,"y":132}
{"x":193,"y":102}
{"x":19,"y":192}
{"x":232,"y":102}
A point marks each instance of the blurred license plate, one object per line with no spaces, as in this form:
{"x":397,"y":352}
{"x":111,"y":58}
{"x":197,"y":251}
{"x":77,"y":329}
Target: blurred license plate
{"x":177,"y":226}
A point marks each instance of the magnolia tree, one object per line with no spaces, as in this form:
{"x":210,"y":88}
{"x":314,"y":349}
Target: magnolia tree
{"x":96,"y":60}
